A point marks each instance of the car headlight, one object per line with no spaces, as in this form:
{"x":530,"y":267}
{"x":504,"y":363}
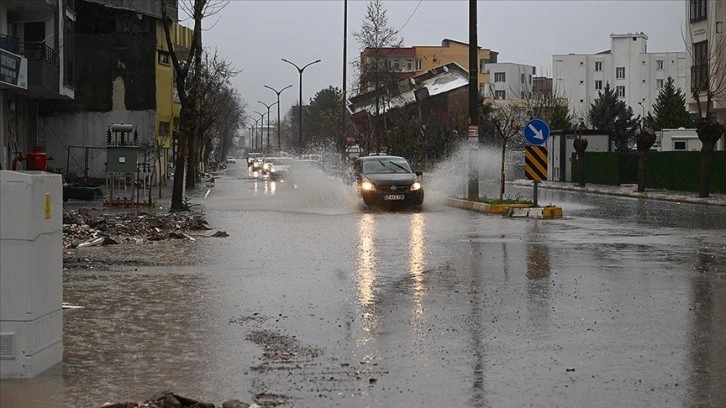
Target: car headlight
{"x":415,"y":186}
{"x":367,"y":186}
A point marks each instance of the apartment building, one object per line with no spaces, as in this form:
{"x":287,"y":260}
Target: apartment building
{"x":510,"y":80}
{"x":37,"y":64}
{"x":635,"y":74}
{"x":706,"y":50}
{"x":125,"y":76}
{"x":406,"y":62}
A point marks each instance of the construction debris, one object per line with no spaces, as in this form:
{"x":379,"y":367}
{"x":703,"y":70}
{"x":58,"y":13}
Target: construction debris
{"x":84,"y":227}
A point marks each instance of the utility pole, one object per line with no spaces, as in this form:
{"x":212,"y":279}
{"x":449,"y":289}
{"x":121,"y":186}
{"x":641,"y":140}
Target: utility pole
{"x":344,"y":111}
{"x":473,"y":133}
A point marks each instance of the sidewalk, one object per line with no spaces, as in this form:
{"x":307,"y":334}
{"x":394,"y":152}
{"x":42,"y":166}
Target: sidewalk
{"x":628,"y":190}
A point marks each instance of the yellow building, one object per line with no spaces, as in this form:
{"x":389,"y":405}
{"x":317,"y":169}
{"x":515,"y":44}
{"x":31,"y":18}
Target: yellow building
{"x":167,"y":99}
{"x":432,"y":56}
{"x":411,"y":61}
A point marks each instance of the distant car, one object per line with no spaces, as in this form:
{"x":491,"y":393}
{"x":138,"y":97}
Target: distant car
{"x":279,"y":168}
{"x":388,"y":180}
{"x":266,"y":163}
{"x":230,"y":159}
{"x":257,"y":164}
{"x":252,"y":157}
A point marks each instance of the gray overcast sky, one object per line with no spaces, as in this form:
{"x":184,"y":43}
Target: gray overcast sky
{"x":255,"y":35}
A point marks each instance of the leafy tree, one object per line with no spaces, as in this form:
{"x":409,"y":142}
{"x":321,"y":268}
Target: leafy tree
{"x":670,"y":108}
{"x":611,"y":115}
{"x":560,"y":118}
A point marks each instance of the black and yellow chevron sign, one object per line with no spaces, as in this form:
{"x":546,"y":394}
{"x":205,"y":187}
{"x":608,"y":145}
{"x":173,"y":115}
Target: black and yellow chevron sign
{"x":535,"y":163}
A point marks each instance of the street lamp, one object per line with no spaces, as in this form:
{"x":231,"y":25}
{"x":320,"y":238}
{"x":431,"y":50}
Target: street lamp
{"x":262,"y":121}
{"x":279,"y":138}
{"x":299,"y":119}
{"x":268,"y":120}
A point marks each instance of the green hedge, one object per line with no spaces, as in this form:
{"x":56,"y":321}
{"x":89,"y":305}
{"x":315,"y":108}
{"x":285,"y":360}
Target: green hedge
{"x":677,"y":171}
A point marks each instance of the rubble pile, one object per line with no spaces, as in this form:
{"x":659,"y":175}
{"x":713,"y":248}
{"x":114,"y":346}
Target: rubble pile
{"x":91,"y":227}
{"x":171,"y":400}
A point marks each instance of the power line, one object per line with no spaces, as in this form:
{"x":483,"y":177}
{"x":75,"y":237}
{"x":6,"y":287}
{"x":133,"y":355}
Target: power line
{"x":409,"y":17}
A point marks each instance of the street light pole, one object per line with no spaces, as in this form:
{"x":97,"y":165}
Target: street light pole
{"x":299,"y":119}
{"x":262,"y":122}
{"x":279,"y":138}
{"x":268,"y":120}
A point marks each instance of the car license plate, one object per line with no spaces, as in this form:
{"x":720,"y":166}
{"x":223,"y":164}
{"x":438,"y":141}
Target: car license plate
{"x":393,"y":197}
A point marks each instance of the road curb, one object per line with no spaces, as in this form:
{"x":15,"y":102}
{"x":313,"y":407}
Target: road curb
{"x":507,"y":210}
{"x":660,"y":196}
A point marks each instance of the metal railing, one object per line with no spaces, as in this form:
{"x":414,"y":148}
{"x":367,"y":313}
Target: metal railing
{"x":37,"y":50}
{"x":10,"y":44}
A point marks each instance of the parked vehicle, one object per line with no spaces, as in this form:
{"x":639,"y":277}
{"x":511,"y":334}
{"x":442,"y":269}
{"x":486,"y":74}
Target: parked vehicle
{"x":387,"y":180}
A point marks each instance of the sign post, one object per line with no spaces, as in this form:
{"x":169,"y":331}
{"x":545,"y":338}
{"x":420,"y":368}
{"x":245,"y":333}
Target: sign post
{"x":536,"y":132}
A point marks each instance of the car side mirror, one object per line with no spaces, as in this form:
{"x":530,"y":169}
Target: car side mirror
{"x":419,"y":172}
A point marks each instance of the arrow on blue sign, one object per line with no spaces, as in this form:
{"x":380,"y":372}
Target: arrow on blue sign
{"x":536,"y":132}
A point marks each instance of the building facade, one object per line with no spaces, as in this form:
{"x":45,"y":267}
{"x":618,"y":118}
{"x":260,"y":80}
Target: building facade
{"x":407,"y":62}
{"x":636,"y":75}
{"x":509,"y":80}
{"x":127,"y":77}
{"x":706,"y":48}
{"x":37,"y":65}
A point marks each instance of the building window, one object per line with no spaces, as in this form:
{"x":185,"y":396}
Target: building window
{"x":521,"y":78}
{"x":659,"y":65}
{"x":621,"y":91}
{"x":699,"y":69}
{"x":679,"y":145}
{"x":620,"y":73}
{"x":418,"y":65}
{"x":698,"y":10}
{"x":659,"y":83}
{"x":598,"y":85}
{"x":598,"y":66}
{"x":500,"y":94}
{"x":500,"y":77}
{"x":164,"y":129}
{"x":163,"y":57}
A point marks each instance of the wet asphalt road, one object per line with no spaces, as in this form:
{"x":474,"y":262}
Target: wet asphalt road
{"x":314,"y":301}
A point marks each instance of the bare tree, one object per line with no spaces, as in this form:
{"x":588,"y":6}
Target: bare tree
{"x":188,"y":121}
{"x":708,"y":87}
{"x":376,"y":71}
{"x":507,"y":117}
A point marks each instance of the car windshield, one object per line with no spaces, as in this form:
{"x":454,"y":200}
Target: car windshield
{"x":386,"y":166}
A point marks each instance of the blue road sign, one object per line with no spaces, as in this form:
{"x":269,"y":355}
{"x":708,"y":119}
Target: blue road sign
{"x":536,"y":132}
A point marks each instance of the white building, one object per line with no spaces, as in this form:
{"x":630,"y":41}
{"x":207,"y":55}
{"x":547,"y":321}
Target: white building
{"x":706,"y":42}
{"x":509,"y":80}
{"x":635,"y":74}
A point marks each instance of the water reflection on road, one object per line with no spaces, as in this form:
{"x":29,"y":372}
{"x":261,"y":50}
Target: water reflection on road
{"x":440,"y":307}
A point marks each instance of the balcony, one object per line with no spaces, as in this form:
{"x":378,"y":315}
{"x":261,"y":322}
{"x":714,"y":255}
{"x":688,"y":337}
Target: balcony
{"x":43,"y":69}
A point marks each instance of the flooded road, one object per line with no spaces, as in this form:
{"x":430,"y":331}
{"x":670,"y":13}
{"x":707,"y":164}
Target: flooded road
{"x":316,"y":301}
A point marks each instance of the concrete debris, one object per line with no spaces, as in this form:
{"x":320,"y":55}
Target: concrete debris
{"x":170,"y":400}
{"x":84,"y":228}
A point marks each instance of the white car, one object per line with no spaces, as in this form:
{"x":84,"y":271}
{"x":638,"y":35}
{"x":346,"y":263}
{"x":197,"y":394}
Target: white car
{"x":280,"y":167}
